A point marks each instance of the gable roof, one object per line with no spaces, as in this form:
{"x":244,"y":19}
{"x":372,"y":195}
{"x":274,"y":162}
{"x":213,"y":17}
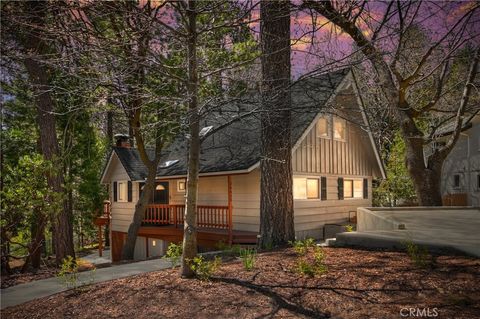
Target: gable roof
{"x":236,"y":147}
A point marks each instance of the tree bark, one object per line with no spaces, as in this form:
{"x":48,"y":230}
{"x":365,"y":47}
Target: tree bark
{"x":276,"y":201}
{"x":128,"y":249}
{"x":38,"y":74}
{"x":190,"y":220}
{"x":37,"y":243}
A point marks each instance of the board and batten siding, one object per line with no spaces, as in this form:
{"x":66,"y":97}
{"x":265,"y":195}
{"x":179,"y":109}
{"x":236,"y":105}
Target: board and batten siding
{"x":352,"y":156}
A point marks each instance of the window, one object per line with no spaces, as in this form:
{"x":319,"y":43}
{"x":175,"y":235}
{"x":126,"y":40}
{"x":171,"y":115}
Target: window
{"x":358,"y":188}
{"x":122,"y":191}
{"x":478,"y":182}
{"x":353,"y":188}
{"x":181,"y":186}
{"x":323,"y":128}
{"x":348,"y":188}
{"x":305,"y":188}
{"x":456,"y":181}
{"x":312,"y":188}
{"x":339,"y":129}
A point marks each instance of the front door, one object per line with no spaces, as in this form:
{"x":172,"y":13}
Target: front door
{"x":160,"y":194}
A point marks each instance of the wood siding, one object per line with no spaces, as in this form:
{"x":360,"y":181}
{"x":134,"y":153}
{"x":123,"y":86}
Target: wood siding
{"x":354,"y":156}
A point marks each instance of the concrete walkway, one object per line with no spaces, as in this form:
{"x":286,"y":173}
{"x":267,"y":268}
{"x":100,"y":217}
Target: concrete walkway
{"x":95,"y":259}
{"x":41,"y":288}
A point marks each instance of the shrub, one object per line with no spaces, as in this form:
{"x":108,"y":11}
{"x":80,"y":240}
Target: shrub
{"x":174,"y":252}
{"x":68,"y":273}
{"x":418,"y":254}
{"x":312,"y":268}
{"x":301,"y":246}
{"x":248,"y":257}
{"x":204,"y":269}
{"x":348,"y":228}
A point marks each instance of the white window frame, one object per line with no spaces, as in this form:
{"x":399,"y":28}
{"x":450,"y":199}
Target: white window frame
{"x":179,"y":182}
{"x":329,"y":127}
{"x":122,"y":197}
{"x":305,"y":180}
{"x":359,"y":192}
{"x":338,"y":119}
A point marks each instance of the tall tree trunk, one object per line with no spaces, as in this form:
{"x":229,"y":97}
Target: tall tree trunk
{"x":38,"y":236}
{"x":190,"y":224}
{"x":276,"y":201}
{"x":110,"y":142}
{"x":38,"y":75}
{"x":128,"y":249}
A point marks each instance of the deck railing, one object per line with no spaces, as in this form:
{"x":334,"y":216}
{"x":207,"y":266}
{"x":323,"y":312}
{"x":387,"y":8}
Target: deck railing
{"x":219,"y":217}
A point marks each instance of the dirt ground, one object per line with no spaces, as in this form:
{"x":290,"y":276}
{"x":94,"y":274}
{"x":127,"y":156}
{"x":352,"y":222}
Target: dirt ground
{"x":358,"y":284}
{"x":46,"y":270}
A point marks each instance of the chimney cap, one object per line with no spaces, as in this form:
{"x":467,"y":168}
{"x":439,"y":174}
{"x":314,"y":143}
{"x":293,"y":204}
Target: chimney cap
{"x":122,"y":140}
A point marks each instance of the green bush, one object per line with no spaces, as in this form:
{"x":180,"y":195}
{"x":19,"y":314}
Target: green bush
{"x":313,"y":268}
{"x":174,"y":252}
{"x":248,"y":257}
{"x":68,"y":273}
{"x":348,"y":228}
{"x":418,"y":254}
{"x":301,"y":246}
{"x":204,"y":269}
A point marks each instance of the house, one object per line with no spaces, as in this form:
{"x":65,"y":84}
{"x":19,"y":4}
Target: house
{"x":334,"y":162}
{"x":461,"y":169}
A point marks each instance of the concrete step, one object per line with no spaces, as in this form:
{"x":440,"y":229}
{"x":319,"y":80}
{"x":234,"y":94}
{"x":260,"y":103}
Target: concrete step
{"x":329,"y":242}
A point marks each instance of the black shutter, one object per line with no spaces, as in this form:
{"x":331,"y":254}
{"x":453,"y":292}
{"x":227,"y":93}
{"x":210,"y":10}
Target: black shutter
{"x":340,"y":188}
{"x":114,"y":191}
{"x":323,"y":188}
{"x":129,"y":191}
{"x":365,"y":188}
{"x":140,"y":187}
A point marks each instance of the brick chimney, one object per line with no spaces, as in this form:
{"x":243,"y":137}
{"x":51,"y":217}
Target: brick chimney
{"x":122,"y":140}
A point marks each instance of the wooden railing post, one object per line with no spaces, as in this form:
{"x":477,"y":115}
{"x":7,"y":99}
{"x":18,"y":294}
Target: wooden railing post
{"x":175,"y":215}
{"x":230,"y":209}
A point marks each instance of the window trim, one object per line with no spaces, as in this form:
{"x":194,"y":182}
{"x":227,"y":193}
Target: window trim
{"x":339,"y":119}
{"x":180,"y":181}
{"x":122,"y":197}
{"x":318,"y":188}
{"x":329,"y":128}
{"x":345,"y":180}
{"x":360,"y":181}
{"x":305,"y":179}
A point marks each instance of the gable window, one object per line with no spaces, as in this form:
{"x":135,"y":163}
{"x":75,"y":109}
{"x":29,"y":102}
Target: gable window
{"x":353,"y":188}
{"x":122,"y":191}
{"x":456,"y":181}
{"x":305,"y":188}
{"x":323,"y":128}
{"x":339,"y":129}
{"x":181,"y":186}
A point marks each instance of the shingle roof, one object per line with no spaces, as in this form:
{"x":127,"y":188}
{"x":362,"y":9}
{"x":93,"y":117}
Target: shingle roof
{"x":237,"y":145}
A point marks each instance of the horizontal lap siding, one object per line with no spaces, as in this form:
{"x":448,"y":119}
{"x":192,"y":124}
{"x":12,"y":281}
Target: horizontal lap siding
{"x":122,"y":212}
{"x":246,"y":201}
{"x":214,"y":191}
